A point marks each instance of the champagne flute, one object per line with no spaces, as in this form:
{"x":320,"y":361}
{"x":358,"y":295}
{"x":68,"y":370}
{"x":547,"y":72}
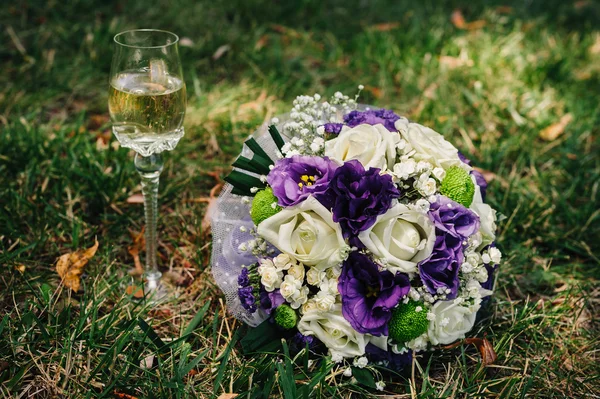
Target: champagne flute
{"x":147,"y":101}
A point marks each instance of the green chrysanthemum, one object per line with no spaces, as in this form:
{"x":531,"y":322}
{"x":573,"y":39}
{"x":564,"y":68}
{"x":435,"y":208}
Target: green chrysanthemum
{"x":406,"y":323}
{"x":262,"y":206}
{"x":286,"y":317}
{"x":458,"y":186}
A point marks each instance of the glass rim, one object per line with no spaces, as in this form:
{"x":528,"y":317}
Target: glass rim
{"x":120,"y":43}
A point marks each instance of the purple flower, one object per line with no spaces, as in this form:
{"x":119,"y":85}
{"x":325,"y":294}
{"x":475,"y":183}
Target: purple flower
{"x":372,"y":117}
{"x":244,"y":278}
{"x":389,"y":359}
{"x":369,"y":295}
{"x":451,"y":217}
{"x":294,"y":179}
{"x":479,"y":179}
{"x":247,"y":298}
{"x":357,"y":197}
{"x":300,"y":341}
{"x":269,"y":301}
{"x":440,"y":270}
{"x":453,"y":224}
{"x":333,"y":128}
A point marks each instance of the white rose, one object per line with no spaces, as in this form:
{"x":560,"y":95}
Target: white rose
{"x":289,"y":287}
{"x":402,"y":236}
{"x":307,"y":233}
{"x":334,"y":331}
{"x":324,"y":301}
{"x":452,"y":321}
{"x":487,"y":217}
{"x":372,"y":146}
{"x":314,"y":276}
{"x":299,"y":298}
{"x":309,"y":306}
{"x":283,"y":262}
{"x":297,"y":271}
{"x":429,"y":145}
{"x":270,"y":277}
{"x":403,"y":170}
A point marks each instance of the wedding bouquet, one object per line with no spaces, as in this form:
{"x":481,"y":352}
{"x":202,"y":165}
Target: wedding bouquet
{"x":354,"y":230}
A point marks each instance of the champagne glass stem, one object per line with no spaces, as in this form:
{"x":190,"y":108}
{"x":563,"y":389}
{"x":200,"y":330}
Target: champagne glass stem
{"x":149,"y":169}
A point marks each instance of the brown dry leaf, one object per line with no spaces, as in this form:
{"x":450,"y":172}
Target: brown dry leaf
{"x":139,"y":242}
{"x":488,"y":355}
{"x":212,"y":201}
{"x":385,"y":27}
{"x":375,"y":91}
{"x":228,"y":396}
{"x":20,"y":268}
{"x":458,"y":20}
{"x":261,"y":42}
{"x":96,"y":121}
{"x":70,"y":266}
{"x":136,"y":291}
{"x":504,"y":10}
{"x":120,"y":395}
{"x":553,"y":131}
{"x":136,"y":199}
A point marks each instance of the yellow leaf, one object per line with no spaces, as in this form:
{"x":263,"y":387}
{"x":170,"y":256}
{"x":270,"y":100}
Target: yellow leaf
{"x":227,"y":396}
{"x":553,"y":131}
{"x":70,"y":266}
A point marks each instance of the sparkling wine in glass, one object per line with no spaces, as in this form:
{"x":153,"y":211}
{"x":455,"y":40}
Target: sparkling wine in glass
{"x":147,"y":102}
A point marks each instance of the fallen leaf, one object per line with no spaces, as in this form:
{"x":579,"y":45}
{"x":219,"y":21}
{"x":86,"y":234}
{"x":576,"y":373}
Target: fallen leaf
{"x":120,"y":395}
{"x":553,"y":131}
{"x":504,"y":10}
{"x":135,"y":291}
{"x":261,"y":42}
{"x":227,"y":396}
{"x":139,"y":242}
{"x":488,"y":355}
{"x":385,"y":27}
{"x":221,"y":51}
{"x":70,"y":266}
{"x":375,"y":91}
{"x":212,"y":201}
{"x":147,"y":362}
{"x":581,"y":4}
{"x":96,"y":121}
{"x":458,"y":20}
{"x":136,"y":199}
{"x":20,"y":268}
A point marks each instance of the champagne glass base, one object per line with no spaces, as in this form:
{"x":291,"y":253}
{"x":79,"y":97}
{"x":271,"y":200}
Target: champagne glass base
{"x":155,"y":291}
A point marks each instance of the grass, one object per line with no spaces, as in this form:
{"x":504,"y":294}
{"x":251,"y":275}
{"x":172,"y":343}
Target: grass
{"x":491,"y":89}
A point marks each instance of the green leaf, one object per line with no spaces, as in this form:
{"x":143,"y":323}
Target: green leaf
{"x":364,"y":377}
{"x":263,"y":338}
{"x":151,"y":334}
{"x":243,"y":183}
{"x":196,"y":320}
{"x":257,"y":149}
{"x":276,"y":136}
